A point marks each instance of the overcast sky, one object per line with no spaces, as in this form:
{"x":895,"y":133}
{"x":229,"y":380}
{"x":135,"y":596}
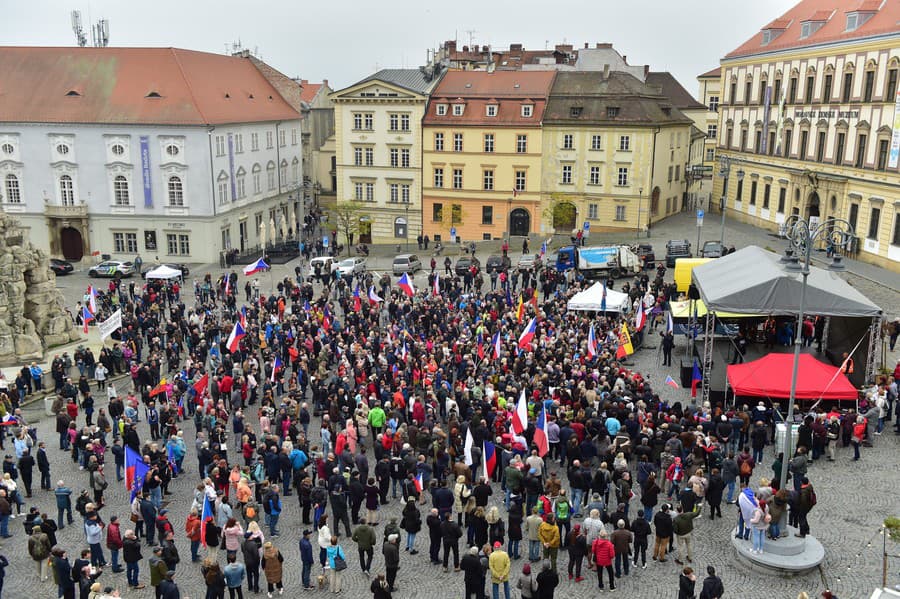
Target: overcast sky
{"x":345,"y":40}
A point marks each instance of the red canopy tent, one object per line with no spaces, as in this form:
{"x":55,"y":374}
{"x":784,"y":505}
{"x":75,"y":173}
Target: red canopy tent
{"x":770,"y":376}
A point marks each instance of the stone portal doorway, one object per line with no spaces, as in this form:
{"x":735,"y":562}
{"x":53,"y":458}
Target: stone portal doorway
{"x":71,"y":243}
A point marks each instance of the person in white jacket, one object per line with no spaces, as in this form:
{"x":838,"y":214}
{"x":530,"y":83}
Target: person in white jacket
{"x":324,"y":540}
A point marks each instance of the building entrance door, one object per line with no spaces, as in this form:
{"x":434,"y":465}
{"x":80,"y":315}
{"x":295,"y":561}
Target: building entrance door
{"x":71,"y":243}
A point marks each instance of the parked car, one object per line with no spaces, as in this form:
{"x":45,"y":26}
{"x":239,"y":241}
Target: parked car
{"x":61,"y":267}
{"x":646,"y":253}
{"x":497,"y":263}
{"x":712,"y":249}
{"x":529,"y":262}
{"x":464,"y":263}
{"x":352,"y":266}
{"x":111,"y":268}
{"x":406,"y":263}
{"x":326,"y":264}
{"x":185,"y":271}
{"x":675,"y":249}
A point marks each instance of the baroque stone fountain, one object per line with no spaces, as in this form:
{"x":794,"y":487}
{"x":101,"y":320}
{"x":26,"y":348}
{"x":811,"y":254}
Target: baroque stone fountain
{"x":32,"y":314}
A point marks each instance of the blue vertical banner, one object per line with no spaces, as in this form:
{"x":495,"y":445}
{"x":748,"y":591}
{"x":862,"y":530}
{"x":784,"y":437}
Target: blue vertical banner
{"x":767,"y":107}
{"x":145,"y":171}
{"x":231,"y":167}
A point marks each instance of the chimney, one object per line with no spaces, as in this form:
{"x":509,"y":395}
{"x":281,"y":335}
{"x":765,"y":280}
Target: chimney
{"x":624,"y":59}
{"x":325,"y":82}
{"x":450,"y":45}
{"x":606,"y":71}
{"x":515,"y":47}
{"x":586,"y":45}
{"x":475,"y":48}
{"x":465,"y":48}
{"x":646,"y":71}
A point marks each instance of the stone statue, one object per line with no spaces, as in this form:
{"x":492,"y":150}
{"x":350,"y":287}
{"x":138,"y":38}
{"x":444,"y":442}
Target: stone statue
{"x":32,"y":309}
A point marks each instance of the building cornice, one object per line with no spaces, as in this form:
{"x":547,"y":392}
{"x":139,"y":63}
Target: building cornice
{"x":830,"y":45}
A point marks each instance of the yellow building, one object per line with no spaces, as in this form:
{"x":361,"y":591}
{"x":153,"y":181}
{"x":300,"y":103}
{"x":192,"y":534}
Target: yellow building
{"x":710,"y":91}
{"x":482,"y":147}
{"x":809,"y":117}
{"x":615,"y":152}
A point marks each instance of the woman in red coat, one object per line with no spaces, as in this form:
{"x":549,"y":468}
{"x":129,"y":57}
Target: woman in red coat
{"x":602,"y":554}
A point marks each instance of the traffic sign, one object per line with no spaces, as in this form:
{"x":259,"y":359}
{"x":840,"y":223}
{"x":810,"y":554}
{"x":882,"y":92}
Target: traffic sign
{"x":702,"y":169}
{"x":325,"y":241}
{"x":587,"y":225}
{"x":453,"y":232}
{"x":700,"y":214}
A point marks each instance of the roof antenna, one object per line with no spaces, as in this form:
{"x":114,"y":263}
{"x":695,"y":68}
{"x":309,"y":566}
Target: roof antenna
{"x":78,"y":29}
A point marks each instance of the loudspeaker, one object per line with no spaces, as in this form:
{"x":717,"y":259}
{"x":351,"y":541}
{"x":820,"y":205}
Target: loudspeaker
{"x":686,"y":372}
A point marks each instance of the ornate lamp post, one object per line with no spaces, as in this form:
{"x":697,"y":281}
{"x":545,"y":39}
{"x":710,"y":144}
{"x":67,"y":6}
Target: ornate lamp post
{"x":724,"y":172}
{"x":834,"y":232}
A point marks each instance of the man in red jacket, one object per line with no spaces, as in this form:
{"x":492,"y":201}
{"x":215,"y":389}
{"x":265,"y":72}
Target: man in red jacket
{"x":603,"y":553}
{"x":114,"y":542}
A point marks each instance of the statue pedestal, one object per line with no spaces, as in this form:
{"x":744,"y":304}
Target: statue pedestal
{"x":788,"y":556}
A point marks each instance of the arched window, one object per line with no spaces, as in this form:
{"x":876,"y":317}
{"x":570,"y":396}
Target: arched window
{"x":120,"y":191}
{"x":66,"y":191}
{"x":283,"y":172}
{"x":176,"y":192}
{"x":13,"y":192}
{"x":270,"y":172}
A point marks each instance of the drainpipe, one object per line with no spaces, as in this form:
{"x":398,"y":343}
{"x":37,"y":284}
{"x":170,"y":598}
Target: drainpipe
{"x":652,"y":171}
{"x":212,"y":170}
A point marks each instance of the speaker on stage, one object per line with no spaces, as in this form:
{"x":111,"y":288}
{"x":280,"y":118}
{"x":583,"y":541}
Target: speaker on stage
{"x":687,"y":371}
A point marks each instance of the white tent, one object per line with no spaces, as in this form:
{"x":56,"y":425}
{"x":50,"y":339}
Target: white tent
{"x":591,"y":300}
{"x":164,"y":272}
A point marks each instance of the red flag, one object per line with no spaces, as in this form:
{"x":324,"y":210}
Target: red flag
{"x":201,"y":384}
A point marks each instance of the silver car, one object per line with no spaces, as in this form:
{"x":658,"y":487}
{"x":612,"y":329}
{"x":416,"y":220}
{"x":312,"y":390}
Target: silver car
{"x":352,"y":266}
{"x":406,"y":263}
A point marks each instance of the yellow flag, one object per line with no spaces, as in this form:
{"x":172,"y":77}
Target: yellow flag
{"x":625,"y":347}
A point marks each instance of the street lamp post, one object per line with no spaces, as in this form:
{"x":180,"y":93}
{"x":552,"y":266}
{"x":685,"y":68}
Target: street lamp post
{"x":834,"y":231}
{"x":637,"y":234}
{"x":407,"y":227}
{"x":725,"y":172}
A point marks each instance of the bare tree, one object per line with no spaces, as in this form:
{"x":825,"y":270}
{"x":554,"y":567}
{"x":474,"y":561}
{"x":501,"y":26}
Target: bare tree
{"x":347,"y":215}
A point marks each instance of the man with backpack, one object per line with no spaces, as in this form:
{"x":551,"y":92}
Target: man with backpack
{"x":272,"y":507}
{"x":806,"y":501}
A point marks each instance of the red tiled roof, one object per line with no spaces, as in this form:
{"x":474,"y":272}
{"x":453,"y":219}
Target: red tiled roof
{"x":309,"y":91}
{"x":884,"y":21}
{"x":194,"y":88}
{"x":508,"y":89}
{"x":778,"y":24}
{"x":868,"y":6}
{"x":715,"y":73}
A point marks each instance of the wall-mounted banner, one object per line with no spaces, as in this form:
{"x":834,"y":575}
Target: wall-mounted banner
{"x":231,"y":167}
{"x":145,"y":171}
{"x":895,"y":136}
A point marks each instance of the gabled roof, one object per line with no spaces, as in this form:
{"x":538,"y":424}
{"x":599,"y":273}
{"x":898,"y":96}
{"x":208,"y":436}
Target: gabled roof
{"x":885,"y":20}
{"x":674,"y":91}
{"x":134,"y":86}
{"x":713,"y":74}
{"x":310,"y":90}
{"x":476,"y":89}
{"x":414,"y":80}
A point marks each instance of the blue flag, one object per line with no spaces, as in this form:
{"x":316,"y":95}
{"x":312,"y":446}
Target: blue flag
{"x":135,"y":472}
{"x":170,"y":454}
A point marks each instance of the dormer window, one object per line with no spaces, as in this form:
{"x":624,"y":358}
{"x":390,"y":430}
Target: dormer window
{"x":527,"y":110}
{"x":807,"y":28}
{"x":857,"y":19}
{"x":574,"y":111}
{"x":491,"y":110}
{"x":73,"y":93}
{"x":612,"y":112}
{"x":458,"y":109}
{"x":153,"y":94}
{"x":441,"y":109}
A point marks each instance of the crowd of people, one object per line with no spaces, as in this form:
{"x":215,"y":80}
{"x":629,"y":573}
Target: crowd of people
{"x":349,"y":403}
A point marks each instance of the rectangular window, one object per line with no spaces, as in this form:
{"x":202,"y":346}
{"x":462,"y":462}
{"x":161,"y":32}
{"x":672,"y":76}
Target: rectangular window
{"x":714,"y":103}
{"x":358,"y":192}
{"x":820,"y":147}
{"x":458,"y":109}
{"x":357,"y":120}
{"x":733,"y":94}
{"x":368,"y":123}
{"x":622,"y":178}
{"x":394,"y":189}
{"x":891,"y":88}
{"x":457,"y":178}
{"x":776,"y":92}
{"x":810,"y":84}
{"x":762,"y":92}
{"x":782,"y":198}
{"x":729,"y":135}
{"x":854,"y":215}
{"x":437,"y":212}
{"x":874,"y":222}
{"x":488,"y":142}
{"x":357,"y":156}
{"x":788,"y":139}
{"x":438,"y":177}
{"x":748,"y":91}
{"x":491,"y":110}
{"x":257,"y":185}
{"x":184,"y":245}
{"x":596,"y":142}
{"x":222,"y":188}
{"x":282,"y":138}
{"x":254,"y":142}
{"x":521,"y":144}
{"x":895,"y":239}
{"x":238,"y":143}
{"x":487,"y":215}
{"x":370,"y":156}
{"x":520,"y":181}
{"x":404,"y":157}
{"x":568,"y":141}
{"x":624,"y":143}
{"x":848,"y":87}
{"x":743,"y":140}
{"x":671,"y":168}
{"x":457,"y":142}
{"x":220,"y":145}
{"x":131,"y":245}
{"x":804,"y":145}
{"x":860,"y":152}
{"x":566,"y":174}
{"x":757,"y":142}
{"x":455,"y":213}
{"x":770,"y":148}
{"x":395,"y":157}
{"x":527,"y":110}
{"x":370,"y":192}
{"x":119,"y":243}
{"x":620,"y":213}
{"x":270,"y":140}
{"x":826,"y":89}
{"x":592,"y":210}
{"x":869,"y":86}
{"x":883,"y":148}
{"x":792,"y":91}
{"x":488,"y":180}
{"x":293,"y":137}
{"x":594,"y":176}
{"x":712,"y":131}
{"x":739,"y":192}
{"x":241,"y":191}
{"x":438,"y":142}
{"x":404,"y":193}
{"x":394,"y":122}
{"x":711,"y":154}
{"x":678,"y":172}
{"x":441,"y":109}
{"x":172,"y":244}
{"x":753,"y":193}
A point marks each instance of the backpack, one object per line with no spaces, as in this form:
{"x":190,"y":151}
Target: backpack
{"x":812,"y":498}
{"x":250,"y":512}
{"x":746,"y":470}
{"x":259,"y":472}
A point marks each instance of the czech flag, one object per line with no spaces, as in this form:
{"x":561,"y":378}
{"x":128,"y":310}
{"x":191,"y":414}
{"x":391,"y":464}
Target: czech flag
{"x":543,"y":249}
{"x":357,"y":303}
{"x":696,"y":378}
{"x":373,"y":297}
{"x":326,"y":320}
{"x":275,"y":368}
{"x":640,"y":319}
{"x":480,"y":346}
{"x":496,"y":344}
{"x":592,"y":343}
{"x":528,"y":334}
{"x":227,"y":284}
{"x":258,"y":266}
{"x":437,"y":284}
{"x":92,"y":298}
{"x":540,"y":434}
{"x":135,"y":472}
{"x":520,"y":416}
{"x":406,"y":284}
{"x":206,"y":515}
{"x":419,"y":482}
{"x":671,"y":382}
{"x":237,"y":333}
{"x":86,"y":317}
{"x":489,"y":457}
